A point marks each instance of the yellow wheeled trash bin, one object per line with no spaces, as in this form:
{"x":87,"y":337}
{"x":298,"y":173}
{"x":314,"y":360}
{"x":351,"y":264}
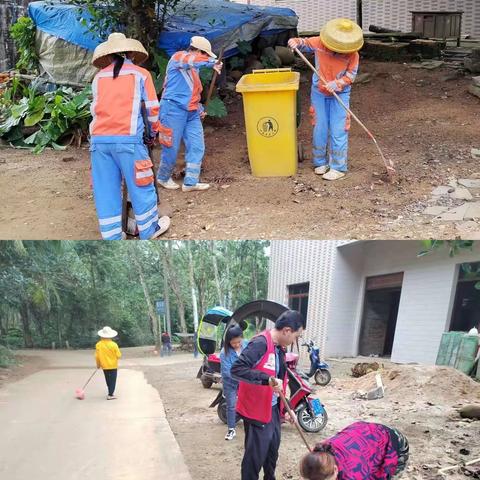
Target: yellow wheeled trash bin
{"x":270,"y":105}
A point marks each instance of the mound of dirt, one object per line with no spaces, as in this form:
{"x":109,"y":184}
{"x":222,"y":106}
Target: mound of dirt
{"x":432,"y":383}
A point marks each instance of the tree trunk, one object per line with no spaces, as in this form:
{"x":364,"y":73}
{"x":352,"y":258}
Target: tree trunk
{"x":255,"y":273}
{"x":215,"y":271}
{"x":59,"y":328}
{"x":27,"y":334}
{"x":175,"y":284}
{"x":192,"y":288}
{"x":151,"y":311}
{"x":166,"y":295}
{"x":228,"y":293}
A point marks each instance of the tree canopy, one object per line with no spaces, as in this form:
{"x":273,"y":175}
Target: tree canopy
{"x":64,"y":291}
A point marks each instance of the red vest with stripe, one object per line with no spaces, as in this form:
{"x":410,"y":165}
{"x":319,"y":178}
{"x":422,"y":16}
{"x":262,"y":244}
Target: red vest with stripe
{"x":255,"y":401}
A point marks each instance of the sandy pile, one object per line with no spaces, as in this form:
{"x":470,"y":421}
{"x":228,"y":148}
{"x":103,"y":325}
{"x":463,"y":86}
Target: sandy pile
{"x":436,"y":384}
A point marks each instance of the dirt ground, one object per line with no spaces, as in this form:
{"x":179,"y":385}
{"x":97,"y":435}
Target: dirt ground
{"x":25,"y":366}
{"x":424,"y":122}
{"x":420,"y":401}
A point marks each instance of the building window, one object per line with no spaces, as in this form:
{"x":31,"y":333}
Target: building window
{"x":466,"y":309}
{"x":298,"y":299}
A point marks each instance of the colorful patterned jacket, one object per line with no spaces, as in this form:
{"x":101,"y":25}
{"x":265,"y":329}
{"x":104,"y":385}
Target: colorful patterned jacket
{"x":364,"y":451}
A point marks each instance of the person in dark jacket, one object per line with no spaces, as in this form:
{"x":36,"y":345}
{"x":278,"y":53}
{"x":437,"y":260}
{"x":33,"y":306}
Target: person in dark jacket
{"x":262,"y":373}
{"x":233,"y":347}
{"x":361,"y":451}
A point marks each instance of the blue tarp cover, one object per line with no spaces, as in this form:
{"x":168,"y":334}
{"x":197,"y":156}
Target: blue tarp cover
{"x":223,"y":23}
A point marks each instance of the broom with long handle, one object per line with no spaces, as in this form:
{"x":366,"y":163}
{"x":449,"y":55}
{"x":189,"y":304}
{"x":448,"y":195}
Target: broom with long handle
{"x":80,"y":392}
{"x":294,"y":418}
{"x":387,"y":162}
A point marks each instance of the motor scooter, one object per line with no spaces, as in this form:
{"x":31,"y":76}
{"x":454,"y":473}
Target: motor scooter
{"x":318,"y":370}
{"x":310,"y":411}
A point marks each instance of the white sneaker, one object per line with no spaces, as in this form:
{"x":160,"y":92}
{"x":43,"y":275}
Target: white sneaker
{"x":164,"y":224}
{"x":231,"y":434}
{"x":333,"y":175}
{"x":111,"y":397}
{"x":169,"y":184}
{"x":198,"y":186}
{"x":321,"y":170}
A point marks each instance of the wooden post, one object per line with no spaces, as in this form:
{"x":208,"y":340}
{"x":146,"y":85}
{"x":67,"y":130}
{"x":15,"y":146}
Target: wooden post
{"x":360,"y":13}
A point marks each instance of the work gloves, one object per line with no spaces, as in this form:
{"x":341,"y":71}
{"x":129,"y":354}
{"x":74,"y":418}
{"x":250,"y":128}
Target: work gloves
{"x":332,"y":87}
{"x":218,"y":67}
{"x":294,"y":43}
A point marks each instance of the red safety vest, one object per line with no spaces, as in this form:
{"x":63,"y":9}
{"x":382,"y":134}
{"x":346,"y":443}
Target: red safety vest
{"x":255,"y":401}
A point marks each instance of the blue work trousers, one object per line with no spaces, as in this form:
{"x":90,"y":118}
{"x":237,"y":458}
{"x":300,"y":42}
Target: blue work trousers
{"x":187,"y":126}
{"x":331,"y":126}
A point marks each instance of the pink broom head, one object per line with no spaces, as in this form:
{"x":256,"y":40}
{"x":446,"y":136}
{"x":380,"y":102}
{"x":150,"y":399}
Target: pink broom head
{"x":79,"y":393}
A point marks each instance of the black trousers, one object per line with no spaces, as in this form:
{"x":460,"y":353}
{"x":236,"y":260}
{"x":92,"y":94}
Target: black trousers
{"x":111,"y":379}
{"x":261,"y":447}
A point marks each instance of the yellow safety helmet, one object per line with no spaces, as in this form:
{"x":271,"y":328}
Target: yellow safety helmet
{"x":342,"y":35}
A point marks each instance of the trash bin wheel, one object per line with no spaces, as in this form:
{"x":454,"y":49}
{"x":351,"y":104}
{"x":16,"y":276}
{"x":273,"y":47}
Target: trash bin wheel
{"x":301,"y":152}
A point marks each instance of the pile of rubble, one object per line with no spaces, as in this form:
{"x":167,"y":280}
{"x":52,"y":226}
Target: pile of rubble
{"x":411,"y":46}
{"x":459,"y":201}
{"x":474,"y":88}
{"x":429,"y":383}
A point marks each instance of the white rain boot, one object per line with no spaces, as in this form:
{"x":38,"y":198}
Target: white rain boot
{"x":164,"y":224}
{"x":321,"y":170}
{"x":169,"y":184}
{"x":333,"y":175}
{"x":197,"y":187}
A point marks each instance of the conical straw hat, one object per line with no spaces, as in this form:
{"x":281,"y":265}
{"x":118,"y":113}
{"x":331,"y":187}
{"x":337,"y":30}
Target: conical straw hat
{"x":342,"y":36}
{"x":118,"y":43}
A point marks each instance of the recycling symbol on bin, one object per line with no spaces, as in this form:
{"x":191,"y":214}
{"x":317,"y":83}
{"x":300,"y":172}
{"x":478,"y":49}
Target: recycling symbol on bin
{"x":267,"y":127}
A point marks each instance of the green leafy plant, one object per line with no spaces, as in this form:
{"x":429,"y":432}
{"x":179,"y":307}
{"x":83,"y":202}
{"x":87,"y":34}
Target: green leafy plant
{"x":39,"y":120}
{"x":236,"y":63}
{"x":23,"y":34}
{"x":159,"y":64}
{"x":216,"y":108}
{"x":269,"y":61}
{"x":6,"y":356}
{"x":455,"y":247}
{"x":244,"y":48}
{"x":140,"y":19}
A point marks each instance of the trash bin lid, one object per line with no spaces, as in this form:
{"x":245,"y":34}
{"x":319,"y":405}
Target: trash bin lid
{"x":269,"y":80}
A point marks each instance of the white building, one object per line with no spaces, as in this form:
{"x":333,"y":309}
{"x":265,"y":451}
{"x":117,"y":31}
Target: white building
{"x":394,"y":14}
{"x":376,"y":297}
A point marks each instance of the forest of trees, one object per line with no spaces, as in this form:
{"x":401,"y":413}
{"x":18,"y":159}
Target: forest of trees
{"x":64,"y":291}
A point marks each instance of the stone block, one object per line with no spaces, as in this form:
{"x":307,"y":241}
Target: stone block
{"x":461,"y":193}
{"x":469,"y":182}
{"x":473,"y":211}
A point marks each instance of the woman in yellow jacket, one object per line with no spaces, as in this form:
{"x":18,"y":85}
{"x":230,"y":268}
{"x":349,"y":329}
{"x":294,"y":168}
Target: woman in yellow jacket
{"x":107,"y":354}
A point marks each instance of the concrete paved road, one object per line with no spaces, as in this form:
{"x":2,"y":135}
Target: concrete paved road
{"x":47,"y":434}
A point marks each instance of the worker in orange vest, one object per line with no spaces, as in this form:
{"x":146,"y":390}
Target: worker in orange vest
{"x":120,"y":90}
{"x":336,"y":58}
{"x":181,"y":114}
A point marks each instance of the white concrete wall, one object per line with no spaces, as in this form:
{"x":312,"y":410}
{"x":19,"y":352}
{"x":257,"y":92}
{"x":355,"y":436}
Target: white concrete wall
{"x":299,"y":261}
{"x":428,"y":292}
{"x":394,"y":14}
{"x":337,"y":281}
{"x":347,"y":293}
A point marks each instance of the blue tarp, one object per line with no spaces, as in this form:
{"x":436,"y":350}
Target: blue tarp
{"x":223,"y":23}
